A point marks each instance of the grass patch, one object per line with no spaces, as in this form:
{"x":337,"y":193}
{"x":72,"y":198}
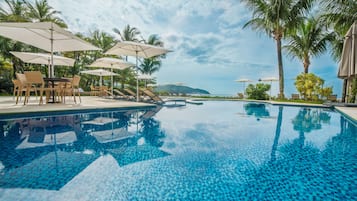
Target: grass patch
{"x":300,"y":101}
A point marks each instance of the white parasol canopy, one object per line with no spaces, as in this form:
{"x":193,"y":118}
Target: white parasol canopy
{"x":112,"y":63}
{"x":43,"y":58}
{"x":100,"y":73}
{"x":45,"y":35}
{"x":348,"y":64}
{"x":243,"y":80}
{"x":130,"y":48}
{"x":266,"y":79}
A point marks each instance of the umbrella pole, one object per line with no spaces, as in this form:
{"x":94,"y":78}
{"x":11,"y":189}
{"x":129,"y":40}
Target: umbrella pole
{"x":112,"y":81}
{"x":137,"y":78}
{"x":100,"y":85}
{"x":52,"y":70}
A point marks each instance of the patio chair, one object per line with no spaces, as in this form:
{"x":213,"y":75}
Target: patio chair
{"x":72,"y":89}
{"x":16,"y":87}
{"x":34,"y":80}
{"x":20,"y":85}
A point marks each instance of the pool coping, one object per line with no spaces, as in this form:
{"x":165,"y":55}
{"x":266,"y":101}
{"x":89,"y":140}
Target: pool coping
{"x":93,"y":103}
{"x":348,"y":111}
{"x":8,"y":107}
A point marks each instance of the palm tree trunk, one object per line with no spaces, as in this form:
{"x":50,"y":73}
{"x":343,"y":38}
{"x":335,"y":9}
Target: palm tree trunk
{"x":306,"y":65}
{"x":281,"y":70}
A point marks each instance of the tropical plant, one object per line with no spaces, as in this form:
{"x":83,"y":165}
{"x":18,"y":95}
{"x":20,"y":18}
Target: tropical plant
{"x":309,"y":85}
{"x":340,"y":15}
{"x":126,"y":76}
{"x":326,"y":92}
{"x":22,"y":11}
{"x":128,"y":33}
{"x":41,"y":11}
{"x":258,"y":91}
{"x":150,"y":66}
{"x":309,"y":39}
{"x":154,"y":39}
{"x":5,"y":75}
{"x":275,"y":18}
{"x":352,"y":97}
{"x":153,"y":64}
{"x":15,"y":11}
{"x":102,"y":40}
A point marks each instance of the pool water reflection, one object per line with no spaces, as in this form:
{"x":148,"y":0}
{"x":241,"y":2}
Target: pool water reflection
{"x":215,"y":151}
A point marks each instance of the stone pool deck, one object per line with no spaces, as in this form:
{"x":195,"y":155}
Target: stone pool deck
{"x":8,"y":106}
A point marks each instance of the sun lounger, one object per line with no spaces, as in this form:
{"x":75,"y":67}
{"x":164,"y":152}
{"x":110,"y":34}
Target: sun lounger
{"x":122,"y":95}
{"x":131,"y":93}
{"x":332,"y":98}
{"x":295,"y":97}
{"x":153,"y":96}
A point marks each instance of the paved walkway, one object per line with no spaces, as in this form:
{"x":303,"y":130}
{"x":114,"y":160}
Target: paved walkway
{"x":8,"y":106}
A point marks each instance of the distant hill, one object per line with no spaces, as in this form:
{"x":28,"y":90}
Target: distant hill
{"x":177,"y":89}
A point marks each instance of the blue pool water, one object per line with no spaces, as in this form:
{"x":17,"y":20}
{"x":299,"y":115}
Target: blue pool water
{"x":220,"y":150}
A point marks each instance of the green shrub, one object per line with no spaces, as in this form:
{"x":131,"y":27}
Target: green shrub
{"x":310,"y":87}
{"x":258,"y":91}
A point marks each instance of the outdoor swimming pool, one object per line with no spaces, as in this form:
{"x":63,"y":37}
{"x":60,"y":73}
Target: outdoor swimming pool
{"x":221,"y":150}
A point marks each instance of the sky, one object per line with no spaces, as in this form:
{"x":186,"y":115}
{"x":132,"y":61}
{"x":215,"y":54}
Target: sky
{"x":210,"y":48}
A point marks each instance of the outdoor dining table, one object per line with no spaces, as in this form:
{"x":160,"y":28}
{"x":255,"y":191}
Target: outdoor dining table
{"x":53,"y":80}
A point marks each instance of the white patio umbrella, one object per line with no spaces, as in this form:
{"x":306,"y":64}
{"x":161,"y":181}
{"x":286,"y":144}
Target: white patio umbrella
{"x":112,"y":63}
{"x":130,"y":48}
{"x":269,"y":79}
{"x":45,"y":35}
{"x":146,"y":77}
{"x":43,"y":58}
{"x":100,"y":73}
{"x":243,"y":80}
{"x":348,"y":64}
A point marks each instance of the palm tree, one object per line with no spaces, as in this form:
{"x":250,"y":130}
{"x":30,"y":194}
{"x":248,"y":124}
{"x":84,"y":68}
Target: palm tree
{"x":153,"y":64}
{"x":126,"y":76}
{"x":128,"y":34}
{"x":16,"y":12}
{"x":43,"y":12}
{"x":150,"y":66}
{"x":102,"y":40}
{"x":275,"y":18}
{"x":308,"y":40}
{"x":340,"y":15}
{"x":154,"y":39}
